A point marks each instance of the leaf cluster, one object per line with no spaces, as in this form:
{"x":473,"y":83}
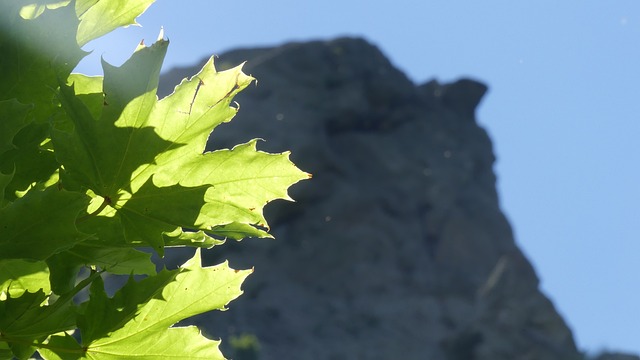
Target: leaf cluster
{"x":96,"y":174}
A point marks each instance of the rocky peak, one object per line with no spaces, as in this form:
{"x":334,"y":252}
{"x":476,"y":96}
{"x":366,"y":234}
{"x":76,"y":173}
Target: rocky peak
{"x":397,"y":248}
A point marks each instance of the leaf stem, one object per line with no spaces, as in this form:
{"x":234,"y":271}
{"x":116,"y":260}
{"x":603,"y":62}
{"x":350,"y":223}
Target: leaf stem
{"x":61,"y":301}
{"x":81,"y":285}
{"x":106,"y":201}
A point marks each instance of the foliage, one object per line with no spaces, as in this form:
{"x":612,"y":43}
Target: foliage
{"x":93,"y":170}
{"x":245,"y":347}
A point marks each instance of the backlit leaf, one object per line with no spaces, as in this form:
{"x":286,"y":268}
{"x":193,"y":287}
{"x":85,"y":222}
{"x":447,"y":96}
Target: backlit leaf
{"x":18,"y":276}
{"x":101,"y":17}
{"x":138,"y":321}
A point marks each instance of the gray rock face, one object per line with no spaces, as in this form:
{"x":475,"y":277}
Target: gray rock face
{"x":397,"y":248}
{"x":617,"y":356}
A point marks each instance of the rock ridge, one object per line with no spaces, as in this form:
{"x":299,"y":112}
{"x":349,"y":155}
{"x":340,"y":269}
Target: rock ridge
{"x":397,"y":248}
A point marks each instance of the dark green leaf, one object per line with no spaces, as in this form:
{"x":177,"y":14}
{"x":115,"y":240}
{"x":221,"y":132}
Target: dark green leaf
{"x":41,"y":224}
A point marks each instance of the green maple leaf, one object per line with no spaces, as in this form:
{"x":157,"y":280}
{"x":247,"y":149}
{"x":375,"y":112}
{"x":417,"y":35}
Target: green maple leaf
{"x":143,"y":157}
{"x":5,"y":351}
{"x":25,"y":321}
{"x":36,"y":52}
{"x":102,"y":153}
{"x":137,"y":321}
{"x":194,"y":239}
{"x":26,"y":317}
{"x":40,"y":44}
{"x":122,"y":260}
{"x":14,"y":118}
{"x":27,"y":163}
{"x":98,"y":18}
{"x":115,"y":260}
{"x":28,"y":320}
{"x":5,"y":180}
{"x":18,"y":276}
{"x":41,"y":224}
{"x":93,"y":168}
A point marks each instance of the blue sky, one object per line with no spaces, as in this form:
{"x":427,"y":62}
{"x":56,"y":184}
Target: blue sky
{"x":563,"y":111}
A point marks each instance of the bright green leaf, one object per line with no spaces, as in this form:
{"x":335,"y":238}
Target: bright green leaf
{"x":101,"y":17}
{"x":190,"y":238}
{"x":193,"y":110}
{"x":152,"y":211}
{"x":103,"y":315}
{"x":235,"y":175}
{"x":173,"y":343}
{"x":18,"y":276}
{"x":141,"y":314}
{"x":32,"y":11}
{"x":239,"y":231}
{"x":103,"y":153}
{"x":83,"y":5}
{"x":92,"y":168}
{"x":88,"y":89}
{"x":137,"y":321}
{"x":65,"y":348}
{"x":186,"y":343}
{"x":145,"y":157}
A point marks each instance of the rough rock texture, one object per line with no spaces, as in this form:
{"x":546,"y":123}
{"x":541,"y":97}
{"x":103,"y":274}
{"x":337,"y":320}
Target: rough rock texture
{"x":397,"y":248}
{"x":617,"y":356}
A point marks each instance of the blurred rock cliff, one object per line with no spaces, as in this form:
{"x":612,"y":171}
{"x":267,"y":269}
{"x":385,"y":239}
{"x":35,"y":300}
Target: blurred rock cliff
{"x":397,"y":248}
